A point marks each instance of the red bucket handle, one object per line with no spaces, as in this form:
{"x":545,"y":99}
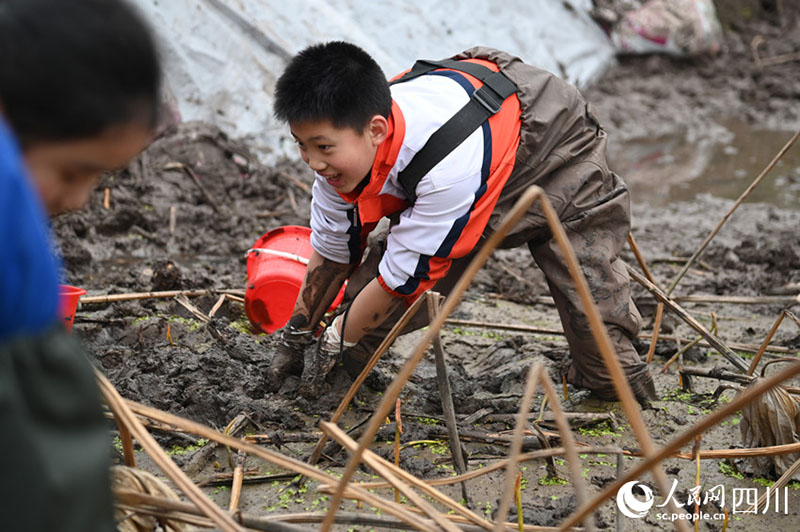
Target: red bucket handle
{"x":283,"y":254}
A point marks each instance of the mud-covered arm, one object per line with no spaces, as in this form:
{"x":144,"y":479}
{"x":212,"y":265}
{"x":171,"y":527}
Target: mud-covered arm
{"x":369,"y":310}
{"x":338,"y":240}
{"x":322,"y":282}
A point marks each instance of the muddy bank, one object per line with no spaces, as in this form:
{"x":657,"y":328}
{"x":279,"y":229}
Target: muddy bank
{"x":166,"y":227}
{"x":211,"y":377}
{"x":654,"y":95}
{"x":157,"y":352}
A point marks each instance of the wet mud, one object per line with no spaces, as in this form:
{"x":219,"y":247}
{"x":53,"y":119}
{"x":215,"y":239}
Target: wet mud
{"x":183,"y":214}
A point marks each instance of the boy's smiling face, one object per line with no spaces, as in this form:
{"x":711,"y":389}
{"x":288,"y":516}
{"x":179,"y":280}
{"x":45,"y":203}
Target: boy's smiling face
{"x":342,"y":155}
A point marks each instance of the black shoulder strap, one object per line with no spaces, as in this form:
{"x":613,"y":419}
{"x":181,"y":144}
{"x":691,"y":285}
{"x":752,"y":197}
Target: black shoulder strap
{"x":484,"y":102}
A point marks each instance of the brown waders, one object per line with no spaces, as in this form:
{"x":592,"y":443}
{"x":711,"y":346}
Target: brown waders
{"x":563,"y":150}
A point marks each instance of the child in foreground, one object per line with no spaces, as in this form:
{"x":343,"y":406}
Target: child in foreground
{"x":79,"y":83}
{"x":443,"y":152}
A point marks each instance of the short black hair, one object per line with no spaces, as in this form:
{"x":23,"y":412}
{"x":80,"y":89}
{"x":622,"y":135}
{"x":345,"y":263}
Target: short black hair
{"x":336,"y":81}
{"x":70,"y":69}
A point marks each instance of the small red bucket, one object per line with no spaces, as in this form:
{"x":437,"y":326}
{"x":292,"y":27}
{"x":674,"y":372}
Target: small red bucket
{"x":68,"y":297}
{"x":276,"y":266}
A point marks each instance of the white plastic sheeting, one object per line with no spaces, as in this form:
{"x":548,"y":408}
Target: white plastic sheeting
{"x":222,"y":57}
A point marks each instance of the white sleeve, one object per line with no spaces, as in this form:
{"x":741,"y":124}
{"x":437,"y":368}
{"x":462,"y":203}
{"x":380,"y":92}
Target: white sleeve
{"x":430,"y":228}
{"x":331,"y":217}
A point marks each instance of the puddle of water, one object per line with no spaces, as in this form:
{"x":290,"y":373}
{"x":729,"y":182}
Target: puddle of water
{"x":667,"y":169}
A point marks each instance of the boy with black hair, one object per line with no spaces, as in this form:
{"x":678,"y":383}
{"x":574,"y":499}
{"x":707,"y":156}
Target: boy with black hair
{"x":444,"y":151}
{"x":79,"y":93}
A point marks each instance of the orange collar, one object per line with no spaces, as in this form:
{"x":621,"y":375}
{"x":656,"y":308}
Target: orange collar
{"x":370,"y":207}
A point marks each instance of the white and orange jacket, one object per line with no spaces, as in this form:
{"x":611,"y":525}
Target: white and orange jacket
{"x":454,"y":200}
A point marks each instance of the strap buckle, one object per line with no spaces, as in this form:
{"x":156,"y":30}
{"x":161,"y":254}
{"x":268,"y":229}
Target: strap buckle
{"x":487,"y":99}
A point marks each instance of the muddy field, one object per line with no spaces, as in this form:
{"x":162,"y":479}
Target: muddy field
{"x":157,"y":352}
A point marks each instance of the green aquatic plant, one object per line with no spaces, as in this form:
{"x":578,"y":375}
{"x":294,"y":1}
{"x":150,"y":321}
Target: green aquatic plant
{"x":603,"y":428}
{"x":553,"y":481}
{"x":729,"y":471}
{"x":243,"y":326}
{"x":178,"y":450}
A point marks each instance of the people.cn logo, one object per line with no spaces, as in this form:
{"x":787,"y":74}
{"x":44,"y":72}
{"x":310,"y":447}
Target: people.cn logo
{"x":629,"y":505}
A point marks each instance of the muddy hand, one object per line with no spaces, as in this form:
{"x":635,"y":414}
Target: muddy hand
{"x":288,"y":358}
{"x":319,"y":360}
{"x":317,"y":363}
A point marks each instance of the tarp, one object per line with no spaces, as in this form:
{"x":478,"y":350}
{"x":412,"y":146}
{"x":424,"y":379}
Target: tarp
{"x":223,"y":56}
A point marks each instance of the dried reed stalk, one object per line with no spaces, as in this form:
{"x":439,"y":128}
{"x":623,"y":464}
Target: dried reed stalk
{"x":679,"y":353}
{"x":739,"y":300}
{"x":151,"y":425}
{"x":682,"y":439}
{"x":504,"y":326}
{"x":173,"y":219}
{"x":139,"y":502}
{"x":127,"y":443}
{"x":660,"y":308}
{"x":500,"y":464}
{"x":217,"y":305}
{"x":739,"y":201}
{"x":720,"y":374}
{"x":179,"y":510}
{"x":718,"y":454}
{"x":176,"y":165}
{"x":434,"y":301}
{"x":538,"y":375}
{"x":450,"y":303}
{"x":232,"y":297}
{"x":781,"y":482}
{"x":278,"y":459}
{"x":238,"y":477}
{"x":351,"y":392}
{"x":715,"y":342}
{"x":125,"y":416}
{"x":712,"y":454}
{"x":183,"y":301}
{"x":375,"y":521}
{"x":624,"y":393}
{"x":656,"y":330}
{"x":534,"y":374}
{"x":342,"y":517}
{"x":568,"y":441}
{"x":381,"y":467}
{"x":544,"y":330}
{"x":398,"y":431}
{"x":296,"y":182}
{"x":133,"y":296}
{"x":771,"y":333}
{"x":165,"y":516}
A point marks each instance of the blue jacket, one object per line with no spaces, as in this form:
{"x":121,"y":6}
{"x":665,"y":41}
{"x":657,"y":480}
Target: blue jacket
{"x":29,"y":270}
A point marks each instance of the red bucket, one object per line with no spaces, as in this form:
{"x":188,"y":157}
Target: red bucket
{"x":68,"y":297}
{"x":276,"y":266}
